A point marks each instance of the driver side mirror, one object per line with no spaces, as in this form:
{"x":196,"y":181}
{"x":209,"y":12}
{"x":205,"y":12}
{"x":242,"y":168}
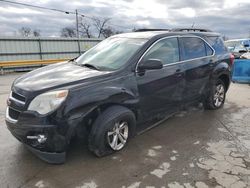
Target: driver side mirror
{"x":150,"y":64}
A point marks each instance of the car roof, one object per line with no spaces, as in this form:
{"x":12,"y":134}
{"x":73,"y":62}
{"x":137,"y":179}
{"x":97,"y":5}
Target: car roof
{"x":161,"y":33}
{"x":143,"y":35}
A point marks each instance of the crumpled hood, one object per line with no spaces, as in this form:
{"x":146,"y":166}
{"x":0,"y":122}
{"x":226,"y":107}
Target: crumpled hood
{"x":58,"y":74}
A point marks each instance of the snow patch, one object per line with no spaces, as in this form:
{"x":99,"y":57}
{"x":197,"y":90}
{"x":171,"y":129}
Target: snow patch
{"x":157,"y":147}
{"x":173,"y":158}
{"x":151,"y":153}
{"x":162,"y":170}
{"x":88,"y":185}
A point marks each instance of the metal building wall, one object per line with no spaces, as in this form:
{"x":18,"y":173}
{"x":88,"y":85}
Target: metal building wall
{"x":17,"y":49}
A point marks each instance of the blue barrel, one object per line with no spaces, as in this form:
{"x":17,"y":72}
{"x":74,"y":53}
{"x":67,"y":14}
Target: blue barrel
{"x":241,"y":71}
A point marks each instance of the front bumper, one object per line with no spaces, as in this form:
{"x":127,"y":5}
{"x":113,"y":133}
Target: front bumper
{"x":51,"y":151}
{"x":55,"y":129}
{"x":52,"y":158}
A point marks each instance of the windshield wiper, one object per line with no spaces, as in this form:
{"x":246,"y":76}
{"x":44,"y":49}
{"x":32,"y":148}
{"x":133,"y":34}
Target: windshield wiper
{"x":84,"y":65}
{"x":73,"y":60}
{"x":90,"y":66}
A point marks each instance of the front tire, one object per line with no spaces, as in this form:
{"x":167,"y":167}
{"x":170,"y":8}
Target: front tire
{"x":216,"y":97}
{"x":111,"y":130}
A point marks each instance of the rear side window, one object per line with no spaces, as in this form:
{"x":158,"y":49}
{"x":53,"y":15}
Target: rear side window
{"x":192,"y":47}
{"x":217,"y":44}
{"x":209,"y":50}
{"x":166,"y":50}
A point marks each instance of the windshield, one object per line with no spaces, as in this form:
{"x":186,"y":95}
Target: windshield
{"x":111,"y":54}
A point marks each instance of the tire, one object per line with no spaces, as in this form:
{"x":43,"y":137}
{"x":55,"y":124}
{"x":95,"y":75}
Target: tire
{"x":107,"y":131}
{"x":216,"y":96}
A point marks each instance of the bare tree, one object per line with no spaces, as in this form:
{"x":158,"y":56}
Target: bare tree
{"x":100,"y":24}
{"x":68,"y":32}
{"x":28,"y":32}
{"x":36,"y":33}
{"x":25,"y":31}
{"x":85,"y":29}
{"x":109,"y":31}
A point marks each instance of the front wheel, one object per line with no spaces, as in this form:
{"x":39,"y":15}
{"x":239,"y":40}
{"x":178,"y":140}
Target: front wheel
{"x":216,"y":97}
{"x":118,"y":135}
{"x":111,"y":130}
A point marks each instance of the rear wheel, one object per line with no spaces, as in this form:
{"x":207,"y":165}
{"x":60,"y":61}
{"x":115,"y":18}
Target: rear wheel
{"x":217,"y":96}
{"x":111,"y":130}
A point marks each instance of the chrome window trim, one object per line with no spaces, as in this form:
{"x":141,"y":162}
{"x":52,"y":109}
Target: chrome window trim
{"x":8,"y":118}
{"x":16,"y":100}
{"x":178,"y":62}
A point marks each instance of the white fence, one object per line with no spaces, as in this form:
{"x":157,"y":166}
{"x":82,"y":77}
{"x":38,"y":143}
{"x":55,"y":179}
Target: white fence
{"x":21,"y":49}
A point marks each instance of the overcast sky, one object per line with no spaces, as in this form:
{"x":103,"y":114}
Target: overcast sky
{"x":229,"y":17}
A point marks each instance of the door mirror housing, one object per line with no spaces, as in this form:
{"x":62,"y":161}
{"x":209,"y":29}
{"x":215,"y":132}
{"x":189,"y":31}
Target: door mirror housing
{"x":150,"y":64}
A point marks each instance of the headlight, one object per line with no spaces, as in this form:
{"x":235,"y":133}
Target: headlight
{"x":48,"y":102}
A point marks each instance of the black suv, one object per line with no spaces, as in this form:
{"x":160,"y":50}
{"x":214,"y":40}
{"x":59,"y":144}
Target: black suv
{"x":125,"y":84}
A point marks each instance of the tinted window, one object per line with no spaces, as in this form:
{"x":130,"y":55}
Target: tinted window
{"x":217,"y":44}
{"x":192,"y":47}
{"x":208,"y":50}
{"x":165,"y":50}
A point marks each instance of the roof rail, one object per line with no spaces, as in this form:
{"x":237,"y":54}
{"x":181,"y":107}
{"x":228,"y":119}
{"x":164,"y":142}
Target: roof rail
{"x":191,"y":30}
{"x":142,"y":30}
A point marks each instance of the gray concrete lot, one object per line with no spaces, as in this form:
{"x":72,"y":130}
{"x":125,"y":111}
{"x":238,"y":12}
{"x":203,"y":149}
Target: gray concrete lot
{"x":196,"y":148}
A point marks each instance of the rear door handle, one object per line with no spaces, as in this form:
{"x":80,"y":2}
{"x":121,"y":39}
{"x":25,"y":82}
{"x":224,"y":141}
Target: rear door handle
{"x":211,"y":63}
{"x":178,"y":70}
{"x":178,"y":73}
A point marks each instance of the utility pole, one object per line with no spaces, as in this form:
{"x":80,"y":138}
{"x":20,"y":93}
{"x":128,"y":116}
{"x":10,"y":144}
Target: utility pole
{"x":77,"y":25}
{"x":77,"y":33}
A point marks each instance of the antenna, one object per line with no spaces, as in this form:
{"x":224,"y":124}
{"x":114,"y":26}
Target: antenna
{"x":193,"y":25}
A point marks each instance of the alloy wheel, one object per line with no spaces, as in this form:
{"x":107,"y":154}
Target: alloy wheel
{"x":219,"y":95}
{"x":118,"y":136}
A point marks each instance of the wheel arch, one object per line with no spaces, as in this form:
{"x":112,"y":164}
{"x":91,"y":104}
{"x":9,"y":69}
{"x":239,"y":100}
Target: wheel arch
{"x":98,"y":136}
{"x":222,"y":71}
{"x":89,"y":118}
{"x":226,"y":80}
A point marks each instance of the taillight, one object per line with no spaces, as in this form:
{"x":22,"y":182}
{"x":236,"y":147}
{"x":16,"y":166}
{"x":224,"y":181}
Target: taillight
{"x":231,"y":59}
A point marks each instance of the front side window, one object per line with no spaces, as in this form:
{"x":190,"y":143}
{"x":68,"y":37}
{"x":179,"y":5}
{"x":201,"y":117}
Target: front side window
{"x":112,"y":53}
{"x":166,"y":50}
{"x":192,"y":47}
